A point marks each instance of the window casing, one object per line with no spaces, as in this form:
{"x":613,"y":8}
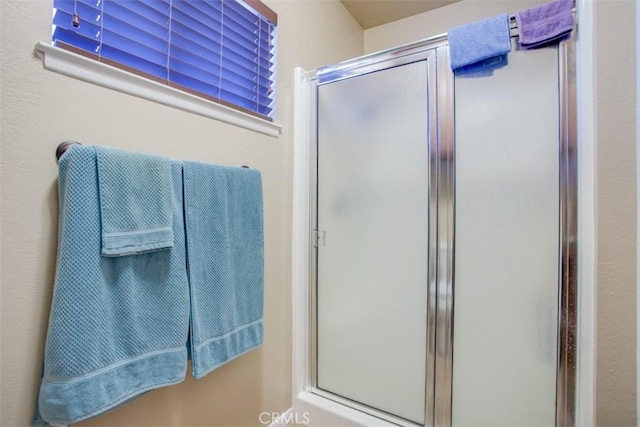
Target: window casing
{"x":221,"y":50}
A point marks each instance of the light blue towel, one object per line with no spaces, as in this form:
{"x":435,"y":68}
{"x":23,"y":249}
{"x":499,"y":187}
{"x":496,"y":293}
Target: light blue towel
{"x":223,"y":208}
{"x":136,"y":207}
{"x":483,"y":68}
{"x":479,"y":40}
{"x":118,"y":326}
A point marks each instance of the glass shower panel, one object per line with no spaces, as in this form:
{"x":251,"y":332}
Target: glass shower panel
{"x":373,"y":218}
{"x":507,"y":242}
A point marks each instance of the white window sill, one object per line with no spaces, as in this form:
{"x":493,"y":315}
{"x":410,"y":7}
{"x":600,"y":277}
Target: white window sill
{"x":89,"y":70}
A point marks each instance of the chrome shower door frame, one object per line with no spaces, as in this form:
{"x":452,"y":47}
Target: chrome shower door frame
{"x":440,"y":93}
{"x":566,"y":370}
{"x":441,"y":149}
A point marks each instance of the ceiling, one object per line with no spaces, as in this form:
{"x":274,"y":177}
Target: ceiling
{"x":371,"y":13}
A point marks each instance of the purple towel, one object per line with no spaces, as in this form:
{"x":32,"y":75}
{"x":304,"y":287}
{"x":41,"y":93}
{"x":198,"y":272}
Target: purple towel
{"x":542,"y":24}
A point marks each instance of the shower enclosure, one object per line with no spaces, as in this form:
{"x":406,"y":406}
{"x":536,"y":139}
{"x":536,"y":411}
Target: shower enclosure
{"x":441,"y":221}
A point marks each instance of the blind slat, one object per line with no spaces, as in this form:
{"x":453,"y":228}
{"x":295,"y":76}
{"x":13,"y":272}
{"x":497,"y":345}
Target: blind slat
{"x":124,"y":44}
{"x":188,"y":39}
{"x":245,"y":43}
{"x":87,"y":13}
{"x":208,"y":8}
{"x":133,"y":61}
{"x":87,"y":29}
{"x":214,"y":92}
{"x":137,"y":11}
{"x":75,"y":39}
{"x":71,"y":5}
{"x":249,"y":92}
{"x":137,"y":35}
{"x":157,"y":40}
{"x":157,"y":9}
{"x":222,"y":49}
{"x":245,"y":78}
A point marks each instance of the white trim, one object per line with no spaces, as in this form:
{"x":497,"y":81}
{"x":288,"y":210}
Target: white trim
{"x":300,"y":238}
{"x":586,"y":102}
{"x":82,"y":68}
{"x":283,"y":419}
{"x":637,"y":212}
{"x":323,"y":412}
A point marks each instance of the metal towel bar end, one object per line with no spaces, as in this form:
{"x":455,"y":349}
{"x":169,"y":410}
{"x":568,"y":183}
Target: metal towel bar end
{"x":63,"y":147}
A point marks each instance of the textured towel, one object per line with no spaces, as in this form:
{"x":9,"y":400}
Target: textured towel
{"x":136,"y":207}
{"x":544,"y":24}
{"x":118,"y":326}
{"x":223,"y":208}
{"x":483,"y":68}
{"x":479,"y":40}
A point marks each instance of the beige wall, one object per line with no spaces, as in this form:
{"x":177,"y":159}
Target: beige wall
{"x":615,"y":74}
{"x":438,"y":21}
{"x":40,"y":109}
{"x":616,"y":212}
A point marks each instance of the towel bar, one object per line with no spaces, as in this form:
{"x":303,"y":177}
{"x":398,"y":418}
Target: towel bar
{"x":64,"y":146}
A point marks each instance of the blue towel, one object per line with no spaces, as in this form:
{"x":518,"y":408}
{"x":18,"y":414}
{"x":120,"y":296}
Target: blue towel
{"x":223,"y":208}
{"x":483,"y":68}
{"x":118,"y":326}
{"x":479,"y":40}
{"x":541,"y":25}
{"x":136,"y":207}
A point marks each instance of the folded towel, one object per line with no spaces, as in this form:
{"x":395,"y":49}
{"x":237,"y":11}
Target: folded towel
{"x":118,"y":326}
{"x":479,"y":40}
{"x":223,"y":208}
{"x":541,"y":25}
{"x":135,"y":202}
{"x":483,"y":68}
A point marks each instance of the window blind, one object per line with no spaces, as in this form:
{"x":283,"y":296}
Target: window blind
{"x":223,"y":50}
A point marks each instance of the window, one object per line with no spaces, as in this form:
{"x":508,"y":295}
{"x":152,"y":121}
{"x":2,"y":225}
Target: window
{"x":222,"y":50}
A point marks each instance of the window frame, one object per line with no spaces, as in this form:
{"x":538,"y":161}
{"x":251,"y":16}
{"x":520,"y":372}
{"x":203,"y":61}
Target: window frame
{"x":256,"y":5}
{"x":98,"y":73}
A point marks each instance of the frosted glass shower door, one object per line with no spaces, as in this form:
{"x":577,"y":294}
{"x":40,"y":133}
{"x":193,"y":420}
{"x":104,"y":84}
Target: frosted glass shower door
{"x":507,"y":243}
{"x":373,"y":212}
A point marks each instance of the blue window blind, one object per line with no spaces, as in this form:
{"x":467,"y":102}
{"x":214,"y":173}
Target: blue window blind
{"x":223,"y":50}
